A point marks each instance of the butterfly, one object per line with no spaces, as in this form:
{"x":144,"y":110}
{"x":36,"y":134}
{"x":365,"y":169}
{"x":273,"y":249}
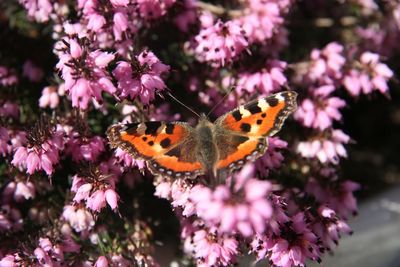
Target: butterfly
{"x":177,"y":150}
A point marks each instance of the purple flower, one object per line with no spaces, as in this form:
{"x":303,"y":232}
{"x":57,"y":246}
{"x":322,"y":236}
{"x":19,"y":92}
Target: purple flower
{"x":7,"y":76}
{"x":295,"y":244}
{"x":266,"y":81}
{"x":84,"y":72}
{"x":141,"y":77}
{"x":101,"y":262}
{"x":42,"y":151}
{"x":85,"y":148}
{"x":39,"y":10}
{"x":326,"y":64}
{"x":273,"y":158}
{"x":208,"y":247}
{"x":10,"y":219}
{"x":9,"y":109}
{"x":32,"y":72}
{"x":50,"y":97}
{"x":220,"y":43}
{"x":10,"y":140}
{"x":326,"y":149}
{"x":371,"y":75}
{"x":19,"y":191}
{"x":244,"y":210}
{"x":78,"y":217}
{"x":321,"y":110}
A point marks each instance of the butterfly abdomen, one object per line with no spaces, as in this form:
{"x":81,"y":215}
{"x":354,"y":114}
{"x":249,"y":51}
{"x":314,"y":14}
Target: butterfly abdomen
{"x":206,"y":149}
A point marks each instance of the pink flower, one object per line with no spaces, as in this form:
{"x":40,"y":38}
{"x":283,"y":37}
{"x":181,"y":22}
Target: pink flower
{"x":326,"y":64}
{"x":273,"y":158}
{"x":32,"y":72}
{"x":19,"y":191}
{"x":39,"y":10}
{"x":84,"y":74}
{"x":10,"y":219}
{"x":140,"y":78}
{"x":209,"y":248}
{"x":153,"y":9}
{"x":220,"y":43}
{"x":7,"y":76}
{"x":9,"y":109}
{"x":79,"y":218}
{"x":127,"y":160}
{"x":50,"y":97}
{"x":85,"y":148}
{"x":266,"y":81}
{"x":372,"y":75}
{"x":326,"y":149}
{"x":321,"y":110}
{"x":96,"y":200}
{"x":245,"y":210}
{"x":295,"y":244}
{"x":40,"y":154}
{"x":101,"y":262}
{"x":262,"y":20}
{"x":8,"y":261}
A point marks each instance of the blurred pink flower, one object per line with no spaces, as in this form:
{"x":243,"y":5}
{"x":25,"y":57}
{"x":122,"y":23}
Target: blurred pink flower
{"x":273,"y":158}
{"x":9,"y":109}
{"x":220,"y":43}
{"x":50,"y":97}
{"x":38,"y":10}
{"x":245,"y":210}
{"x":85,"y":148}
{"x":7,"y":76}
{"x":10,"y":219}
{"x":326,"y":149}
{"x":321,"y":109}
{"x":141,"y":77}
{"x":264,"y":82}
{"x":371,"y":75}
{"x":32,"y":72}
{"x":78,"y":217}
{"x":101,"y":262}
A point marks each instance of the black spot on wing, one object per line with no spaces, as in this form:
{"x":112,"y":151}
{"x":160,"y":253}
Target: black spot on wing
{"x":263,"y":115}
{"x":144,"y":138}
{"x":259,"y":122}
{"x":245,"y":127}
{"x":237,"y":115}
{"x":175,"y":152}
{"x":169,"y":129}
{"x":131,"y":128}
{"x":151,"y":143}
{"x":272,"y":101}
{"x":254,"y":108}
{"x":165,"y":143}
{"x":152,"y":127}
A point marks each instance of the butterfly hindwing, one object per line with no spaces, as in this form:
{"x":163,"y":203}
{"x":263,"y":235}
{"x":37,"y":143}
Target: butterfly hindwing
{"x":165,"y":146}
{"x":263,"y":117}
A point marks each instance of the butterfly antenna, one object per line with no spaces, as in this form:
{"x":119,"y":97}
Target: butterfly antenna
{"x":221,"y":100}
{"x":177,"y":100}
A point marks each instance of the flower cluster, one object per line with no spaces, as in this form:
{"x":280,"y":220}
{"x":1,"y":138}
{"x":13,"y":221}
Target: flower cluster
{"x":67,"y":198}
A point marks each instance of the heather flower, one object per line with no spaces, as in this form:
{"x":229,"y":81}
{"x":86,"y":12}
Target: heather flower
{"x":326,"y":149}
{"x":32,"y":72}
{"x":153,"y":9}
{"x":97,"y":187}
{"x":209,"y":248}
{"x":101,"y":262}
{"x":338,"y":196}
{"x":141,"y":77}
{"x":10,"y":219}
{"x":187,"y":17}
{"x":321,"y":110}
{"x":371,"y":75}
{"x":9,"y":109}
{"x":245,"y":209}
{"x":85,"y":148}
{"x":328,"y":227}
{"x":127,"y":160}
{"x":38,"y":10}
{"x":265,"y":81}
{"x":273,"y":157}
{"x":262,"y":20}
{"x":10,"y":140}
{"x":78,"y":217}
{"x":293,"y":247}
{"x":220,"y":43}
{"x":19,"y":190}
{"x":84,"y":73}
{"x":50,"y":97}
{"x":7,"y":76}
{"x":42,"y":151}
{"x":326,"y":64}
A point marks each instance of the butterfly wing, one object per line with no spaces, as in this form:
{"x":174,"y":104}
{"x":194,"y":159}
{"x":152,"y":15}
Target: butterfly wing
{"x":167,"y":147}
{"x":241,"y":133}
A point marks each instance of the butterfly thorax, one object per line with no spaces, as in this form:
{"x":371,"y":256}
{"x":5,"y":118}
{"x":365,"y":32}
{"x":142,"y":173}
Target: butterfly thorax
{"x":206,"y":148}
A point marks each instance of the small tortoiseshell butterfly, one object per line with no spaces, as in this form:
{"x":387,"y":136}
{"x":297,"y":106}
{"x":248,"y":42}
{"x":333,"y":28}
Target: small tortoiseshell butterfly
{"x":177,"y":150}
